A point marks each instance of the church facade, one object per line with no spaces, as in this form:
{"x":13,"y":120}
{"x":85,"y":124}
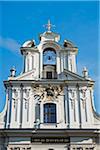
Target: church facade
{"x":49,"y":106}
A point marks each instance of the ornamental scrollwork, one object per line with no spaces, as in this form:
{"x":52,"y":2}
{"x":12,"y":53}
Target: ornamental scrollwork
{"x":47,"y":93}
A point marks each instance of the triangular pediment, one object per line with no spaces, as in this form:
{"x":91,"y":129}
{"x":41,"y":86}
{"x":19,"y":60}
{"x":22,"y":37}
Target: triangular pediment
{"x":68,"y":75}
{"x":30,"y":75}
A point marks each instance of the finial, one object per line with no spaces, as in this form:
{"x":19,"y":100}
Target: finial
{"x":13,"y":71}
{"x":85,"y":72}
{"x":65,"y":43}
{"x":49,"y":25}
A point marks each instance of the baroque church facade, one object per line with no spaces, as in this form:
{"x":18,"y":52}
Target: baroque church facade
{"x":49,"y":106}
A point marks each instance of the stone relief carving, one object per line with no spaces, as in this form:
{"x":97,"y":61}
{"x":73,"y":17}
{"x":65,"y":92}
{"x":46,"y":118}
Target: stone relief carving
{"x":15,"y":97}
{"x":70,"y":64}
{"x":72,"y":97}
{"x":47,"y":93}
{"x":83,"y":97}
{"x":26,"y":97}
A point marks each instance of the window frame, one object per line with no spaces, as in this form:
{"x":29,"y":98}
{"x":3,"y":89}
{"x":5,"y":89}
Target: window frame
{"x":49,"y":75}
{"x":50,"y":114}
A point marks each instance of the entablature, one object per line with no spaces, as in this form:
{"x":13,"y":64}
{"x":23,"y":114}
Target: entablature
{"x":75,"y":83}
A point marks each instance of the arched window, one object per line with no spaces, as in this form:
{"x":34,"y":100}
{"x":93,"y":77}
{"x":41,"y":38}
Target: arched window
{"x":49,"y":57}
{"x":49,"y":113}
{"x":49,"y":63}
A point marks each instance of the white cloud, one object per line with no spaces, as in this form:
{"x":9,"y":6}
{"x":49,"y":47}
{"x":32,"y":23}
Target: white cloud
{"x":10,"y":44}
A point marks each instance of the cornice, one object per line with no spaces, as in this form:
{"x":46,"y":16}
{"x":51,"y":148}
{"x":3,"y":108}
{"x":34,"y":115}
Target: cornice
{"x":49,"y":132}
{"x":51,"y":81}
{"x":31,"y":49}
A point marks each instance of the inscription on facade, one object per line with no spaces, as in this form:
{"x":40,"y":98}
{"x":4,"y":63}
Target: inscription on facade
{"x":50,"y":140}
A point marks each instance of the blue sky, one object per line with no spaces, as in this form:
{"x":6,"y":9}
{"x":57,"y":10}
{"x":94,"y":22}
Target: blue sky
{"x":76,"y":21}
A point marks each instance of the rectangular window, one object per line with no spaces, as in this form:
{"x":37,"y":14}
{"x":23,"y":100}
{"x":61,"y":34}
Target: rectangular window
{"x":49,"y":75}
{"x":49,"y":113}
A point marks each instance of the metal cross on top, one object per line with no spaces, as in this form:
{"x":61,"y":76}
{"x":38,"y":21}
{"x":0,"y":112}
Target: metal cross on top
{"x":49,"y":25}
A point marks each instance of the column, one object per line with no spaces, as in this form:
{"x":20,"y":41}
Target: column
{"x":65,"y":106}
{"x":9,"y":90}
{"x":41,"y":65}
{"x":79,"y":105}
{"x":58,"y":69}
{"x":21,"y":104}
{"x":24,"y":63}
{"x":67,"y":101}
